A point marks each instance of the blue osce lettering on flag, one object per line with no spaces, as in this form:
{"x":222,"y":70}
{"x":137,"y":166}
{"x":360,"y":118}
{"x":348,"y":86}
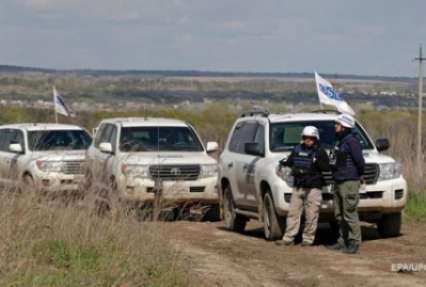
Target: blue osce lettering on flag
{"x":330,"y":92}
{"x":59,"y":104}
{"x":329,"y":96}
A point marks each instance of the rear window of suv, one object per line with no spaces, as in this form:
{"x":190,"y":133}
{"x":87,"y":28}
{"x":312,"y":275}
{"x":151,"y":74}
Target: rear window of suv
{"x":284,"y":136}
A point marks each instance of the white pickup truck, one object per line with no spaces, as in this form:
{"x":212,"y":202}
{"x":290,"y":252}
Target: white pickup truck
{"x":253,"y":186}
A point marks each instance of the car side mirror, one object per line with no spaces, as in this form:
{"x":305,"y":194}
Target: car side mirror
{"x":254,"y":149}
{"x":106,"y":147}
{"x":16,"y":148}
{"x":382,"y":144}
{"x":212,"y":147}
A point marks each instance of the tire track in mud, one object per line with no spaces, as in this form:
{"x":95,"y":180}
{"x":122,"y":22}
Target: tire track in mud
{"x":223,"y":258}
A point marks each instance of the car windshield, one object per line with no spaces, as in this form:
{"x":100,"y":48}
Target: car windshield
{"x":58,"y":140}
{"x":284,"y":136}
{"x":159,"y":139}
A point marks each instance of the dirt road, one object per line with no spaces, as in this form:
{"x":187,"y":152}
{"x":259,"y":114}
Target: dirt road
{"x":223,"y":258}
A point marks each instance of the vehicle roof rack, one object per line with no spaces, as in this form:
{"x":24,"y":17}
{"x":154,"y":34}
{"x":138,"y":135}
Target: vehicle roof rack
{"x":261,"y":112}
{"x":326,"y":111}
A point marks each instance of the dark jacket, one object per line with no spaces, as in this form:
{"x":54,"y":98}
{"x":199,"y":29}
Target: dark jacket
{"x":349,"y":158}
{"x":307,"y":165}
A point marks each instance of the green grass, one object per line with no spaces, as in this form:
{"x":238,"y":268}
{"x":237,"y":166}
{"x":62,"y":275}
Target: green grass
{"x":58,"y":263}
{"x":415,"y":210}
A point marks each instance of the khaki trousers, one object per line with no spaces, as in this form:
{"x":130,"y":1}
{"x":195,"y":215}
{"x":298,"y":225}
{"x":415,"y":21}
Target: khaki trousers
{"x":308,"y":200}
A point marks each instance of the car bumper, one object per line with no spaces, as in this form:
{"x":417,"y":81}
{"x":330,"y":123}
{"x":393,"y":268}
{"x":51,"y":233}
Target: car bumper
{"x":385,"y":196}
{"x":202,"y":190}
{"x":58,"y":182}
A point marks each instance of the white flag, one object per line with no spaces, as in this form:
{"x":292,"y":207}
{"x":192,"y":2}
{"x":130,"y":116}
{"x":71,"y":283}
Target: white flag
{"x":329,"y":96}
{"x":59,"y":104}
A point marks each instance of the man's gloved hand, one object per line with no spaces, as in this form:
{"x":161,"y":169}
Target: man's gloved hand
{"x":283,"y":162}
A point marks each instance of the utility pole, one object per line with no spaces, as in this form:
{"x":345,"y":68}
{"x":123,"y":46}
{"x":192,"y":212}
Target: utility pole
{"x":420,"y":59}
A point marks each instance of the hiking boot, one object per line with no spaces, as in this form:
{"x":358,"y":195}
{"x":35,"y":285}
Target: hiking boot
{"x":336,"y":247}
{"x":306,"y":243}
{"x":352,"y":248}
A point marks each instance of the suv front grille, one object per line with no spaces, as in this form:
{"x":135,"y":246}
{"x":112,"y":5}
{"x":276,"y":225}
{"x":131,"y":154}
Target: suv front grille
{"x":371,"y":174}
{"x":74,"y":167}
{"x":364,"y":195}
{"x":175,"y":172}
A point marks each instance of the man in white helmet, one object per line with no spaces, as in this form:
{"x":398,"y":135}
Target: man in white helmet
{"x":307,"y":162}
{"x":347,"y":172}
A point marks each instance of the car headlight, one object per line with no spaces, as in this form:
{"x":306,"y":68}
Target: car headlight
{"x":138,"y":170}
{"x":390,"y":170}
{"x":50,"y":166}
{"x":209,"y":170}
{"x":285,"y":174}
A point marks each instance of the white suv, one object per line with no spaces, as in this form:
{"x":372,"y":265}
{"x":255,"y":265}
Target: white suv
{"x":48,"y":157}
{"x":253,"y":186}
{"x":137,"y":158}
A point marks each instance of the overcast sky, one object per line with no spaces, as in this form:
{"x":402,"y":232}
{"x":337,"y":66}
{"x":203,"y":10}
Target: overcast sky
{"x":330,"y":36}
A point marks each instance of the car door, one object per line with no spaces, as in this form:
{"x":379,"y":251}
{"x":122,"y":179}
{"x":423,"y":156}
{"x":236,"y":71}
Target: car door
{"x":16,"y":137}
{"x":96,"y":156}
{"x":101,"y":159}
{"x":245,"y":166}
{"x":4,"y":148}
{"x":229,"y":157}
{"x":9,"y":159}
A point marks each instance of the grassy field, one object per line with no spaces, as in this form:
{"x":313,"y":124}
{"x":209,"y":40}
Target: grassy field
{"x":47,"y":244}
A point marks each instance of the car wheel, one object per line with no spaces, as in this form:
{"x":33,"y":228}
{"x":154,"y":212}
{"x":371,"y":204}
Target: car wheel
{"x":389,"y":225}
{"x":335,"y":227}
{"x":29,"y":185}
{"x":212,"y":214}
{"x":88,"y":181}
{"x":233,"y":221}
{"x":272,"y":223}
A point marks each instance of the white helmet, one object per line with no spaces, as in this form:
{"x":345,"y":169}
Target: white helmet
{"x":310,"y":131}
{"x":346,"y":120}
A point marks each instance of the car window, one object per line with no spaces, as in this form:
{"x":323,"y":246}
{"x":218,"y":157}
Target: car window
{"x":235,"y":137}
{"x":3,"y":141}
{"x":10,"y":136}
{"x":113,"y":137}
{"x":260,"y":136}
{"x":98,"y":135}
{"x":141,"y":139}
{"x":106,"y":134}
{"x":284,"y":136}
{"x":17,"y":137}
{"x":44,"y":140}
{"x":243,"y":133}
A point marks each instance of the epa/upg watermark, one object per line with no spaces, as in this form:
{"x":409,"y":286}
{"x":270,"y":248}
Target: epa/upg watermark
{"x":408,"y":267}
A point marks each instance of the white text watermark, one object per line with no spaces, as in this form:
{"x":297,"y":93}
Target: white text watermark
{"x":408,"y":267}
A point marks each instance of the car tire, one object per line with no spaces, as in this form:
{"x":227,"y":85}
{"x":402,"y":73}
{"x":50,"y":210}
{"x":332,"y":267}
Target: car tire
{"x":390,"y":225}
{"x":273,"y":225}
{"x":233,"y":221}
{"x":212,"y":214}
{"x":88,"y":181}
{"x":335,"y":229}
{"x":29,"y":185}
